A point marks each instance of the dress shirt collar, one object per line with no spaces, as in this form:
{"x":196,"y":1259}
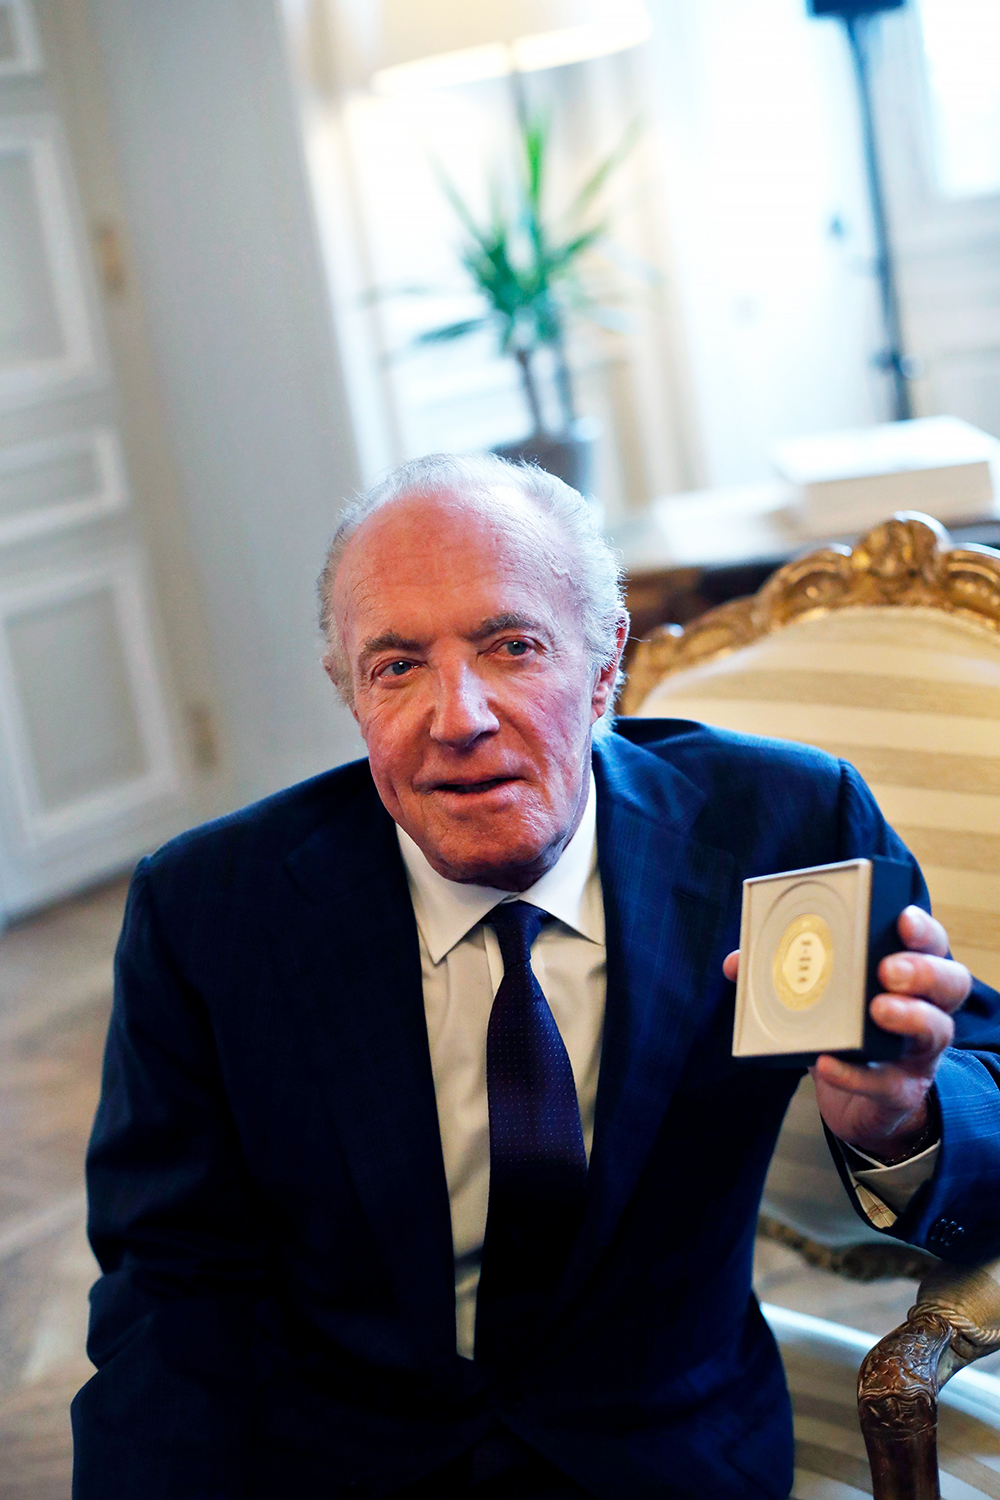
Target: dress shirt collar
{"x":446,"y":910}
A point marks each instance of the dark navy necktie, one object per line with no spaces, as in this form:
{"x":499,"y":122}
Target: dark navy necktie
{"x":538,"y":1165}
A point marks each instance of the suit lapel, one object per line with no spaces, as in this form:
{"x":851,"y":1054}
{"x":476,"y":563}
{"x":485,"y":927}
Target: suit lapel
{"x":353,"y":961}
{"x":665,"y":898}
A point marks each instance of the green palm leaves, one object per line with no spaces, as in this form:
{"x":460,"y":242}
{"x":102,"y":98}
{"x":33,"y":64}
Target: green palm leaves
{"x":527,"y":268}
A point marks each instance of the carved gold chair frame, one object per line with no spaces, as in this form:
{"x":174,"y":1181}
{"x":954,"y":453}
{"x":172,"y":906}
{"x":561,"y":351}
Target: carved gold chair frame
{"x":907,"y":561}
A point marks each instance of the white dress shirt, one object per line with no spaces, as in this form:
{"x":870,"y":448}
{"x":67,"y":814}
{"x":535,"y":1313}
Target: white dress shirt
{"x":884,"y":1192}
{"x":462,"y":969}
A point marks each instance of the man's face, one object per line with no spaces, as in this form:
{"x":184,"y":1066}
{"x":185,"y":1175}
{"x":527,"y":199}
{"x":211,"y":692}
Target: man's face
{"x":473,"y":686}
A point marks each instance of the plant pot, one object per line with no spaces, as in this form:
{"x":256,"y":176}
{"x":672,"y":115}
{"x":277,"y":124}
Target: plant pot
{"x":570,"y":455}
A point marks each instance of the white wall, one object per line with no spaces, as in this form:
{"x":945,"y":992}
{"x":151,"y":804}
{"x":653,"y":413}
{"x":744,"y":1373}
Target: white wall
{"x":210,"y":155}
{"x":756,"y":122}
{"x":386,"y":224}
{"x":946,"y":232}
{"x":748,"y":195}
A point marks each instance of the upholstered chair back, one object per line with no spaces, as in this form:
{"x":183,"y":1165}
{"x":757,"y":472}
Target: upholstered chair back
{"x":890,"y":657}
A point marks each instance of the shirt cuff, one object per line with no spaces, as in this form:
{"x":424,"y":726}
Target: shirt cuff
{"x":884,"y":1192}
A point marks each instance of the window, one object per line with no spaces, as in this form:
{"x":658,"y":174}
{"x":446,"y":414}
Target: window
{"x":962,"y":49}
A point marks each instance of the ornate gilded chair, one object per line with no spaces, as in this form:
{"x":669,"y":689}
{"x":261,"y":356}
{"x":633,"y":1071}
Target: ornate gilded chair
{"x":831,"y":1462}
{"x":887,"y":653}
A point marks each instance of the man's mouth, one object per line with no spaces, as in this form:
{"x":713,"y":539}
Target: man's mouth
{"x":469,"y":788}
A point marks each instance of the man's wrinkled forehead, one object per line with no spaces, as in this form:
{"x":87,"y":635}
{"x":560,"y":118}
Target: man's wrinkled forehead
{"x":506,"y":511}
{"x":509,"y":535}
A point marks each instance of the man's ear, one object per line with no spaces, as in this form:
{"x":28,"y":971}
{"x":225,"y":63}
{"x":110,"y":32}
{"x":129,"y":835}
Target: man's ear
{"x":604,"y":687}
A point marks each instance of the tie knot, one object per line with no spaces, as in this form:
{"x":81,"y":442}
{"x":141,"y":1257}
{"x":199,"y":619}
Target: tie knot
{"x":516,"y":925}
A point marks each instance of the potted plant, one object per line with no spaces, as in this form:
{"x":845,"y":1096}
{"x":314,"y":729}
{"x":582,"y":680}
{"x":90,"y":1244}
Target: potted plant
{"x":529,"y":271}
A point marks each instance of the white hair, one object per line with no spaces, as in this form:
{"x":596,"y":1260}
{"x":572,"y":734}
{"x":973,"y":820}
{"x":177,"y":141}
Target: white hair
{"x":594,"y":572}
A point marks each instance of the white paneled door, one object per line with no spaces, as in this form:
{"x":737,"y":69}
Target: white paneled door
{"x":94,"y":764}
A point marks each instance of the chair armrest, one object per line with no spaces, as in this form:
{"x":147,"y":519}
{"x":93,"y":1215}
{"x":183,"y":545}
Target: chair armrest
{"x":955,"y":1320}
{"x":967,"y":1297}
{"x":880,"y":1260}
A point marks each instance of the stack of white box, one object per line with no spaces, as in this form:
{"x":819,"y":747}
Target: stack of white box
{"x":849,"y":480}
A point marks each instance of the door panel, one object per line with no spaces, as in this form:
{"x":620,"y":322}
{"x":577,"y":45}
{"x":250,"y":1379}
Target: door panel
{"x":20,"y":52}
{"x":60,"y":482}
{"x":86,"y":734}
{"x":71,"y":681}
{"x":47,"y":334}
{"x":95,"y":764}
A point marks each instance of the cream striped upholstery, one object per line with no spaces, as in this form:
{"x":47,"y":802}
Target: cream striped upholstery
{"x":911,"y":696}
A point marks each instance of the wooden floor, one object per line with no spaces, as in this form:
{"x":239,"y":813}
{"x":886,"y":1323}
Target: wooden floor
{"x":55,"y":992}
{"x":55,"y":985}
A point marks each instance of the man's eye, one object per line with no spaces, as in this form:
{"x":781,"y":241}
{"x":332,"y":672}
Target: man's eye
{"x":516,"y":648}
{"x":396,"y":669}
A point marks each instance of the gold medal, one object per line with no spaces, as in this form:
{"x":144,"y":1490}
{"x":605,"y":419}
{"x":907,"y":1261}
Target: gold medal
{"x":803,"y":962}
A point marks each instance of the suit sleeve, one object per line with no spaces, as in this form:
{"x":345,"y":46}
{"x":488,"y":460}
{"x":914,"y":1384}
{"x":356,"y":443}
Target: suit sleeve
{"x":956,"y":1214}
{"x":172,"y":1225}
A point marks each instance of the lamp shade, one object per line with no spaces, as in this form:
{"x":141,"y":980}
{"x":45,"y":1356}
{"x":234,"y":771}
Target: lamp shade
{"x":428,"y":42}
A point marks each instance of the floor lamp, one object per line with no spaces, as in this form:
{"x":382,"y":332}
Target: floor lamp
{"x":857,"y":17}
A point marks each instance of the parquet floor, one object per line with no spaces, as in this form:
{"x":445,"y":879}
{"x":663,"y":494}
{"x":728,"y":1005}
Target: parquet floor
{"x":55,"y":984}
{"x":55,"y":989}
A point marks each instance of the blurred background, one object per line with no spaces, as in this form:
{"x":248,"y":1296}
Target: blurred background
{"x":255,"y":252}
{"x":232,"y":234}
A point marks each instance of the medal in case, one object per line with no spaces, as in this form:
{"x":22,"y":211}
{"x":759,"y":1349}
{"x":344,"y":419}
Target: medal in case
{"x":811,"y":942}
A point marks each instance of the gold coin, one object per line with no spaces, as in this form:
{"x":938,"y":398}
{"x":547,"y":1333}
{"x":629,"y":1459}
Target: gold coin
{"x":803,"y":962}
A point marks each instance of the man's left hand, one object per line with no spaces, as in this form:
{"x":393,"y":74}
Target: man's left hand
{"x":881,"y":1108}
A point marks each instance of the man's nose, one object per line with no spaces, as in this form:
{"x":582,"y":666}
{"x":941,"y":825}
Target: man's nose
{"x":462,"y":712}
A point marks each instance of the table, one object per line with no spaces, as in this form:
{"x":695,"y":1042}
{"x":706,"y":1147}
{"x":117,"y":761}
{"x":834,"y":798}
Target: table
{"x":689,"y":552}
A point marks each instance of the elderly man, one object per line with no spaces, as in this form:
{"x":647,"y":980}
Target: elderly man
{"x":422,"y":1166}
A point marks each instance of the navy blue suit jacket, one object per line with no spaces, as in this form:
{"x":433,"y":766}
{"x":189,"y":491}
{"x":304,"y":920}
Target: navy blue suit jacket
{"x":268,"y":1197}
